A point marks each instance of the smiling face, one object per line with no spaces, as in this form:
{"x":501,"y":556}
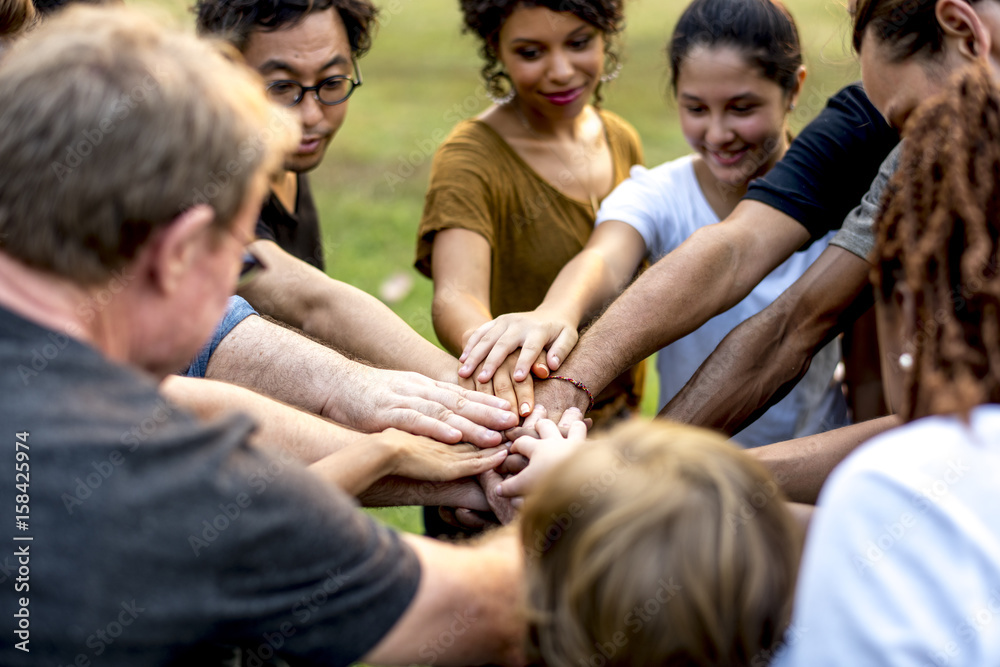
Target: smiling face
{"x":554,"y":60}
{"x":730,"y":114}
{"x":309,"y":51}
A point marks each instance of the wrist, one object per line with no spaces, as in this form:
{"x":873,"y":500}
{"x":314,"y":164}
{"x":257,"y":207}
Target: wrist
{"x":578,"y":389}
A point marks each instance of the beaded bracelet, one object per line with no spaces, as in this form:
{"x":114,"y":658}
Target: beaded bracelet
{"x":578,"y":385}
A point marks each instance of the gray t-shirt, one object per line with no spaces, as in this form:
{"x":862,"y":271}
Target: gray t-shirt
{"x":857,"y":234}
{"x":159,"y":540}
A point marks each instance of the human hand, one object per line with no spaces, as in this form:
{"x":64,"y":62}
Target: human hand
{"x":417,"y":457}
{"x":552,"y":399}
{"x":556,"y":443}
{"x":416,"y":404}
{"x":520,"y":394}
{"x":532,"y":332}
{"x":502,"y":507}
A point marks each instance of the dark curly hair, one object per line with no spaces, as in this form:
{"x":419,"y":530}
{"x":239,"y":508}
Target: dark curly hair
{"x":486,"y":17}
{"x":235,"y":20}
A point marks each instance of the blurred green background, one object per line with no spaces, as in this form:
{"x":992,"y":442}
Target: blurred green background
{"x":422,"y":76}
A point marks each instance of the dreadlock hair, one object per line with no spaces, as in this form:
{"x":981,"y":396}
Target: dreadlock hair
{"x":939,"y":233}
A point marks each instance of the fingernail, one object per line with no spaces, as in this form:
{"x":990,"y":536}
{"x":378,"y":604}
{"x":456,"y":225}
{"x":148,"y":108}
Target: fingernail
{"x":518,"y":375}
{"x":455,"y":433}
{"x":463,"y":356}
{"x":463,"y":369}
{"x":499,"y":490}
{"x":525,"y":409}
{"x":555,"y":361}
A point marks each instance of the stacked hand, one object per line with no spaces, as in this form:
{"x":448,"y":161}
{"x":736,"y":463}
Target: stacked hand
{"x":554,"y":444}
{"x":493,"y":344}
{"x":416,"y":404}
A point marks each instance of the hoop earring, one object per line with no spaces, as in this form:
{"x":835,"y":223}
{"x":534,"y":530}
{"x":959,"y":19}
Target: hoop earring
{"x":613,"y":74}
{"x":500,"y":101}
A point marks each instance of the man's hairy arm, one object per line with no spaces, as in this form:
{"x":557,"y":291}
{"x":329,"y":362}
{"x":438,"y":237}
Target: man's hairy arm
{"x":362,"y":465}
{"x":762,"y":359}
{"x":282,"y":364}
{"x":707,"y":274}
{"x":344,"y":316}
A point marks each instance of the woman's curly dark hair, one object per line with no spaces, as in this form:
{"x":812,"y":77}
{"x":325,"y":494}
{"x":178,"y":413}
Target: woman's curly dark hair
{"x":486,"y":17}
{"x":235,"y":20}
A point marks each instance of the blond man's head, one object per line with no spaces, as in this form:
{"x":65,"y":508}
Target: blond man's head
{"x":113,"y":126}
{"x":664,"y":545}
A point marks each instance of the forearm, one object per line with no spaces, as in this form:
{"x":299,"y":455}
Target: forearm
{"x":763,"y":358}
{"x":356,"y":467}
{"x":341,"y":315}
{"x":361,"y":325}
{"x":801,"y":466}
{"x":280,"y":428}
{"x":707,"y":274}
{"x":583,"y":287}
{"x":456,"y":314}
{"x":395,"y":491}
{"x":291,"y":368}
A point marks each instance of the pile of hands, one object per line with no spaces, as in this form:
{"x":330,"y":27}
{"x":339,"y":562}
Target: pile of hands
{"x":501,"y":359}
{"x":487,"y":421}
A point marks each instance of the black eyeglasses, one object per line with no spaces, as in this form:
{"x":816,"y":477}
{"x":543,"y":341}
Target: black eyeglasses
{"x":330,"y":91}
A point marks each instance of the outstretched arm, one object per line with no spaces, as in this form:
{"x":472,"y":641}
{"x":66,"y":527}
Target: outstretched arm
{"x":344,"y":316}
{"x":760,"y":361}
{"x":589,"y":281}
{"x":461,"y":268}
{"x":801,"y":466}
{"x":707,"y":274}
{"x":353,"y":461}
{"x":291,"y":368}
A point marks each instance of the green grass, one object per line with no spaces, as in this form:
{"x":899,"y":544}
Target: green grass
{"x":422,"y":75}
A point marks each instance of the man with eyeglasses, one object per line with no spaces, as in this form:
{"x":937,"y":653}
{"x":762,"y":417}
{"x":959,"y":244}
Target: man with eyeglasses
{"x":307,"y":53}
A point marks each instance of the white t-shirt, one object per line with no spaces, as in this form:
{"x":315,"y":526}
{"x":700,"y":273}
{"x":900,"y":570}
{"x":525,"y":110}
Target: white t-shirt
{"x":902,"y":562}
{"x":666,"y":205}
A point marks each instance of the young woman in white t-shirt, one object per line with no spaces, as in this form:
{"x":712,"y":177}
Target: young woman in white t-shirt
{"x":737,"y":71}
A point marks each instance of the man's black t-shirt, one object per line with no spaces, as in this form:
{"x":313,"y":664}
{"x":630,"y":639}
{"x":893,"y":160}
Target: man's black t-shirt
{"x":830,"y":165}
{"x":296,"y":233}
{"x":158,"y":539}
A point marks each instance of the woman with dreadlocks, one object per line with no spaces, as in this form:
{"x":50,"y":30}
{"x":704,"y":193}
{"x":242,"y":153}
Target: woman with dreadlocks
{"x":902,"y":564}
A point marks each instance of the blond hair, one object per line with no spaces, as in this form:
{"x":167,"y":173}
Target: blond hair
{"x":112,"y":126}
{"x":664,"y":545}
{"x":15,"y":15}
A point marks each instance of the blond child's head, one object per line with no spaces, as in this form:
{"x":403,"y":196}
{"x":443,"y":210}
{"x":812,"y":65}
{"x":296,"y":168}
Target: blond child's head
{"x":663,"y":545}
